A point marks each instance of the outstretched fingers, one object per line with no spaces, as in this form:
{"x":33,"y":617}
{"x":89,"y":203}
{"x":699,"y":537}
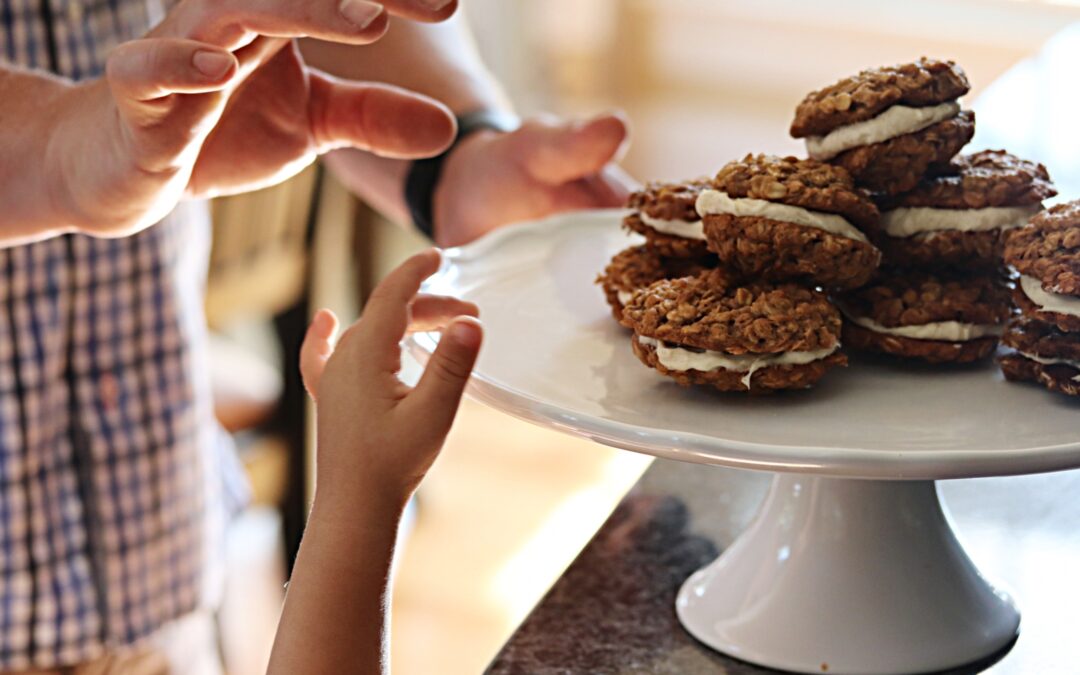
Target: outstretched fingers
{"x":438,"y":393}
{"x":232,"y":23}
{"x":372,"y":346}
{"x":386,"y":317}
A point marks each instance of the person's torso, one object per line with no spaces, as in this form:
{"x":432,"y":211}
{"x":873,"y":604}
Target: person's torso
{"x":110,"y":462}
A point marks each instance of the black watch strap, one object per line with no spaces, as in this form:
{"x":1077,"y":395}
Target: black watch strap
{"x":424,"y":174}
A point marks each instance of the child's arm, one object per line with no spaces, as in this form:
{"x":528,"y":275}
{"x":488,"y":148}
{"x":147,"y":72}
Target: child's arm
{"x":376,"y":440}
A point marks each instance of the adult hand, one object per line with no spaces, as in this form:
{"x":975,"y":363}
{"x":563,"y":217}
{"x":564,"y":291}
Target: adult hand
{"x":547,"y":166}
{"x":218,"y":100}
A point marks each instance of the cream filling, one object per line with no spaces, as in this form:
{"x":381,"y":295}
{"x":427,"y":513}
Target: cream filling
{"x":890,"y":123}
{"x":909,"y":222}
{"x":624,"y":297}
{"x":948,"y":331}
{"x":1053,"y":362}
{"x":676,"y":228}
{"x":1047,"y":301}
{"x":714,"y":202}
{"x":677,"y":358}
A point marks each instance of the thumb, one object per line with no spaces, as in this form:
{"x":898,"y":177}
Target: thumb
{"x":385,"y":120}
{"x":559,"y":153}
{"x":316,"y":350}
{"x":141,"y":71}
{"x":439,"y":391}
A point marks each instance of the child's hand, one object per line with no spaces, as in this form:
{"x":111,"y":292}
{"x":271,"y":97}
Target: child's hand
{"x":373,"y":430}
{"x":377,"y":438}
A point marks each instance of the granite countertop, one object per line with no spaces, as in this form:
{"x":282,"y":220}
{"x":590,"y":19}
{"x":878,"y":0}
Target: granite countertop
{"x":613,"y":611}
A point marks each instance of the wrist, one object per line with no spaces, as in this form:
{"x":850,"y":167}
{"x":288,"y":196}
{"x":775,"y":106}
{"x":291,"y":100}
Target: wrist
{"x":424,"y":175}
{"x":444,"y":223}
{"x":343,"y":496}
{"x":345,"y":516}
{"x":78,"y":108}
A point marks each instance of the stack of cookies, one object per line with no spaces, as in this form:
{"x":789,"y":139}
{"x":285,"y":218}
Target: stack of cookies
{"x":779,"y":229}
{"x":1044,"y":339}
{"x":732,"y":286}
{"x":940,"y":295}
{"x":666,"y":215}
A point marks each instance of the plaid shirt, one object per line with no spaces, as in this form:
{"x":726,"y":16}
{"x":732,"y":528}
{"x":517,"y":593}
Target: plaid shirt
{"x":113,"y":473}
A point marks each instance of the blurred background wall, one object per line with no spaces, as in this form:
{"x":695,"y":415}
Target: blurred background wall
{"x":509,"y":505}
{"x":705,"y":81}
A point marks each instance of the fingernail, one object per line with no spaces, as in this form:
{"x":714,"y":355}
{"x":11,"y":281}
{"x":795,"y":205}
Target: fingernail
{"x":360,"y":12}
{"x":434,"y":5}
{"x":213,"y":65}
{"x":466,"y":333}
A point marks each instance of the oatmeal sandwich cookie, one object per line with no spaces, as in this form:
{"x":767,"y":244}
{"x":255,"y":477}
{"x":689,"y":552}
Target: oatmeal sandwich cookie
{"x":757,"y":338}
{"x":639,"y":266}
{"x":888,"y":126}
{"x":1042,"y":353}
{"x":1046,"y":255}
{"x":665,"y":213}
{"x":786,"y":219}
{"x":960,"y":218}
{"x":933,"y":318}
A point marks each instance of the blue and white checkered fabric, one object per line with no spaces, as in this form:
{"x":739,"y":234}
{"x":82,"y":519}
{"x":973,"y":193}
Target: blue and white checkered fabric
{"x":114,"y":477}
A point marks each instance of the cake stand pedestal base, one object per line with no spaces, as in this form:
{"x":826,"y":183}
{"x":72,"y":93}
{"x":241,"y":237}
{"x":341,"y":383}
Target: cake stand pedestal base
{"x":848,"y":576}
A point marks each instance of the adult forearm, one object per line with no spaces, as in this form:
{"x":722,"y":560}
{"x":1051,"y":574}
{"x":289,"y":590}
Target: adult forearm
{"x":31,"y":106}
{"x":439,"y":60}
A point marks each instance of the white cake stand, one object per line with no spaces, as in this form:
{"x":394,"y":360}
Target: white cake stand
{"x":850,"y":566}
